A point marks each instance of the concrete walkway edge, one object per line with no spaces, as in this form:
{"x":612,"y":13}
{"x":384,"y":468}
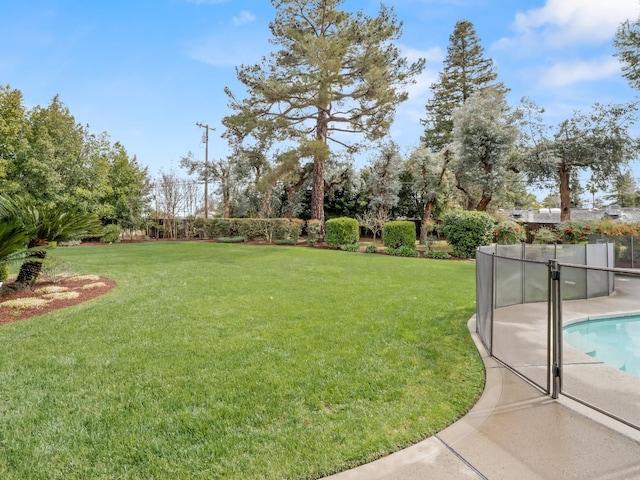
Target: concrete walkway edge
{"x":515,"y":431}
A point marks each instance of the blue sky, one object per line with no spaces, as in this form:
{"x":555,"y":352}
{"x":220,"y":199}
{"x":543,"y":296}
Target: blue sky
{"x":146,"y":71}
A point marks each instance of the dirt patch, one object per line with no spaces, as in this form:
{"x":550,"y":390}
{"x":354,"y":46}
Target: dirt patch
{"x":46,"y":296}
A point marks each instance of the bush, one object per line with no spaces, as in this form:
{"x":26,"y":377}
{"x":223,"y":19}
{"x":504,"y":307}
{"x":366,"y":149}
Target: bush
{"x":544,"y":236}
{"x":399,"y":233}
{"x":54,"y":269}
{"x":313,"y":231}
{"x":354,"y":247}
{"x":371,"y":249}
{"x":286,"y":241}
{"x":437,"y":254}
{"x":70,"y":243}
{"x":609,"y":227}
{"x":403,"y":251}
{"x":341,"y":231}
{"x":406,"y":251}
{"x":112,"y":234}
{"x":217,"y":227}
{"x":466,"y":231}
{"x":509,"y":232}
{"x":237,"y":239}
{"x":291,"y":230}
{"x":574,"y":231}
{"x":269,"y":229}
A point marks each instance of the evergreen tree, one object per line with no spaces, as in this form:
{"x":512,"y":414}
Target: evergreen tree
{"x":484,"y":139}
{"x":335,"y":74}
{"x":627,"y":43}
{"x":624,"y":190}
{"x":465,"y":71}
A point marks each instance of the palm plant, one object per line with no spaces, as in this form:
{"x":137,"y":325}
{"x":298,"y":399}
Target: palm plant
{"x":41,"y":225}
{"x":13,"y":242}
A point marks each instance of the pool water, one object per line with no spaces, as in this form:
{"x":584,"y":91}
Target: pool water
{"x":614,"y":341}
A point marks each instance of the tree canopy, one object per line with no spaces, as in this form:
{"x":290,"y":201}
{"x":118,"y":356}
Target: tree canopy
{"x":47,"y":157}
{"x":484,"y":137}
{"x":598,"y":142}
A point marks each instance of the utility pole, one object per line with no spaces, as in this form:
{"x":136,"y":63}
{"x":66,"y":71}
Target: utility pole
{"x":205,"y":139}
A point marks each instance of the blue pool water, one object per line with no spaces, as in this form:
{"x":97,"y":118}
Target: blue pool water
{"x":615,"y":341}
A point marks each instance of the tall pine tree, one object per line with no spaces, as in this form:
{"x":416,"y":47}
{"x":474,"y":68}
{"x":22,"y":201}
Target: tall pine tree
{"x":335,"y":74}
{"x":465,"y":71}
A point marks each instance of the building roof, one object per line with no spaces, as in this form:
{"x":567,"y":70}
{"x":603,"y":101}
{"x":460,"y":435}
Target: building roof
{"x":552,"y":215}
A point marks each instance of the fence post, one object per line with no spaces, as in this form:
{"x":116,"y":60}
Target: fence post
{"x":556,"y":320}
{"x":493,"y":299}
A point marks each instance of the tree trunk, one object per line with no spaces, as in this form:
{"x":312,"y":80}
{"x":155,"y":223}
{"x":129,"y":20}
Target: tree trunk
{"x":565,"y":192}
{"x":319,"y":157}
{"x":226,"y":201}
{"x":29,"y":272}
{"x":425,"y":218}
{"x":317,"y":189}
{"x":484,"y":202}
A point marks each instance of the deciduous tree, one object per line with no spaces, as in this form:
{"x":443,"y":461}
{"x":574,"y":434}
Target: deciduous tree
{"x":383,"y":181}
{"x":598,"y":142}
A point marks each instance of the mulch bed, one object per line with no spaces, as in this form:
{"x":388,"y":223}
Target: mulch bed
{"x":97,"y":286}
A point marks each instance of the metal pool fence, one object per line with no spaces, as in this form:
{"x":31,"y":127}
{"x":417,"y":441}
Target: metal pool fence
{"x":527,"y":294}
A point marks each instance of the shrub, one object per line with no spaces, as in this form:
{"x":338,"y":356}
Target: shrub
{"x":54,"y":269}
{"x":403,"y":251}
{"x":112,"y":234}
{"x":314,"y":228}
{"x":218,"y":227}
{"x":545,"y":235}
{"x":466,"y":231}
{"x":237,"y":239}
{"x":285,"y":241}
{"x":371,"y":249}
{"x":353,"y":247}
{"x":406,"y":251}
{"x":437,"y":254}
{"x":70,"y":243}
{"x":342,"y":231}
{"x":399,"y":233}
{"x":609,"y":227}
{"x":291,"y":230}
{"x":509,"y":232}
{"x":574,"y":231}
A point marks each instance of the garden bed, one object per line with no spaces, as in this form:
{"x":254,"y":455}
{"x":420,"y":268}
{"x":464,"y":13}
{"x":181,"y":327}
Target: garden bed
{"x":46,"y":296}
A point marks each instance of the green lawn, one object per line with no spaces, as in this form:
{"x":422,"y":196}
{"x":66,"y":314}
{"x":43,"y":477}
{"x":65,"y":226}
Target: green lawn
{"x":236,"y":361}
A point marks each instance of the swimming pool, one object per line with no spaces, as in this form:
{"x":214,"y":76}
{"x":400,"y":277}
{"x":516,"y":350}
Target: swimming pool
{"x":614,"y":341}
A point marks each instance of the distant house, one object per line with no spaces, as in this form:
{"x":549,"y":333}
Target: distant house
{"x":534,"y":219}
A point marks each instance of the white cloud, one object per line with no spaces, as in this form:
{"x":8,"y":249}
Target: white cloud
{"x":244,"y":18}
{"x":433,"y":57}
{"x":562,"y":22}
{"x":569,"y":73}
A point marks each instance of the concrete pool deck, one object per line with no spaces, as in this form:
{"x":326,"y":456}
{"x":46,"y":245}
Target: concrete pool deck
{"x":515,"y":432}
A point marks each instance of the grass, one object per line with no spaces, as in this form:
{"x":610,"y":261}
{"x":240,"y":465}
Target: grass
{"x":236,"y":361}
